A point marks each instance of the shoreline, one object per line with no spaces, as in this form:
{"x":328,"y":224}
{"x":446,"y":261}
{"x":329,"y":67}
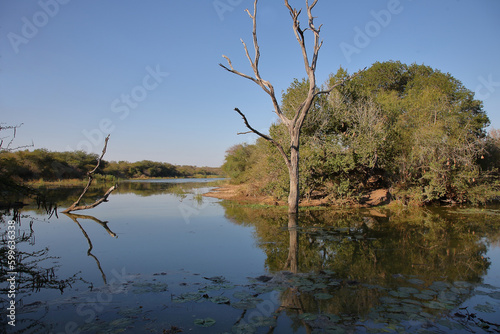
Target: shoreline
{"x":237,"y":193}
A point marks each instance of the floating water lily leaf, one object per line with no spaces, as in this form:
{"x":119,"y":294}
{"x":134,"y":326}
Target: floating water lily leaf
{"x":410,"y":308}
{"x":399,"y":294}
{"x":461,"y":284}
{"x":332,"y":317}
{"x":335,"y":330}
{"x":319,"y":286}
{"x":489,"y":286}
{"x":244,"y":304}
{"x":323,"y":296}
{"x":146,"y":287}
{"x":388,"y":300}
{"x":308,"y":316}
{"x":216,"y":279}
{"x":220,"y":300}
{"x":207,"y":322}
{"x":416,"y":281}
{"x":439,"y":286}
{"x":435,"y":305}
{"x":242,"y":295}
{"x":243,"y":328}
{"x":187,"y":297}
{"x":408,"y":290}
{"x":423,"y":296}
{"x":488,"y":308}
{"x":495,"y":295}
{"x":121,"y":322}
{"x":263,"y":321}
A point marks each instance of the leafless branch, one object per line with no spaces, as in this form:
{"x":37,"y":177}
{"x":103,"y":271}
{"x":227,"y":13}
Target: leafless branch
{"x":269,"y":139}
{"x":254,"y":63}
{"x":8,"y":148}
{"x":76,"y":206}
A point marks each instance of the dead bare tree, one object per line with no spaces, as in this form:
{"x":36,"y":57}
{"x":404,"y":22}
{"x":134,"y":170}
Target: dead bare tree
{"x":294,"y":125}
{"x":76,"y":206}
{"x":8,"y":147}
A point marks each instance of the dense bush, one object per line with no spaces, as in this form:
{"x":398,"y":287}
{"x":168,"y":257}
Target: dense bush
{"x":409,"y":128}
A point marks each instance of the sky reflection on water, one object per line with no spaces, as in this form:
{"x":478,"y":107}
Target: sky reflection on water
{"x":155,"y":242}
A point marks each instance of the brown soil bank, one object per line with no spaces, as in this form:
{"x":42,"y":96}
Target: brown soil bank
{"x":239,"y":193}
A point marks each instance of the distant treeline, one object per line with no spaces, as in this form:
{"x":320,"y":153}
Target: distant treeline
{"x":53,"y":166}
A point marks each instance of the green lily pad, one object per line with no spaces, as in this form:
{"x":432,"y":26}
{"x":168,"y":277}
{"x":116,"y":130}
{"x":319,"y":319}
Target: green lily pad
{"x":220,"y":300}
{"x":495,"y":295}
{"x":439,"y":286}
{"x":187,"y":297}
{"x":242,"y":295}
{"x":335,"y":330}
{"x":487,"y":308}
{"x":244,"y":305}
{"x":323,"y":296}
{"x":399,"y":294}
{"x":435,"y":305}
{"x":423,"y":296}
{"x":416,"y":281}
{"x":145,"y":287}
{"x":461,"y":284}
{"x":243,"y":328}
{"x":207,"y":322}
{"x":308,"y":316}
{"x":263,"y":321}
{"x":121,"y":322}
{"x":408,"y":290}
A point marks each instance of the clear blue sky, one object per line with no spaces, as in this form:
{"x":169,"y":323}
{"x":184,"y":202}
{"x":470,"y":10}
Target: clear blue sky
{"x":147,"y":71}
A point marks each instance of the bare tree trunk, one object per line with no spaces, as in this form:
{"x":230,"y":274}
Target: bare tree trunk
{"x":293,"y":171}
{"x":294,"y":125}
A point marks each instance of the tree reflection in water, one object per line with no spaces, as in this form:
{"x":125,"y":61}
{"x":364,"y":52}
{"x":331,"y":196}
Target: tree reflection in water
{"x":359,"y":266}
{"x":75,"y":218}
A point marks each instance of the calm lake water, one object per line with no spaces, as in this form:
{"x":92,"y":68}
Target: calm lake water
{"x":160,"y":258}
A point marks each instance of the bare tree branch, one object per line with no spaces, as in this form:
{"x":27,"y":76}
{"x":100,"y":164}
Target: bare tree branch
{"x":76,"y":206}
{"x":8,"y":148}
{"x":269,"y":139}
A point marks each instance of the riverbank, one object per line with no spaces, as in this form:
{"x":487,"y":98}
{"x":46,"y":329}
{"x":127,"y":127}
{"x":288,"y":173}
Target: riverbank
{"x":240,"y":193}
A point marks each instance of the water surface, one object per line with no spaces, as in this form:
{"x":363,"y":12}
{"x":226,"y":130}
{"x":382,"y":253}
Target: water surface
{"x":159,"y":257}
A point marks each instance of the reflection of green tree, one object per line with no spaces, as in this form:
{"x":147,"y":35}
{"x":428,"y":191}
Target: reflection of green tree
{"x":361,"y":247}
{"x":355,"y":258}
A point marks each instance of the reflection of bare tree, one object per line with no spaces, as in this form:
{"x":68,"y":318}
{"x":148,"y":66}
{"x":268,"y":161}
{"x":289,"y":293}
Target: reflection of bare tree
{"x":292,"y":262}
{"x":290,"y":298}
{"x":75,"y":218}
{"x":30,"y":275}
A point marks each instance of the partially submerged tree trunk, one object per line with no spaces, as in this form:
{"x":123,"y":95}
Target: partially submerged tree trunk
{"x":294,"y":125}
{"x":76,"y":206}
